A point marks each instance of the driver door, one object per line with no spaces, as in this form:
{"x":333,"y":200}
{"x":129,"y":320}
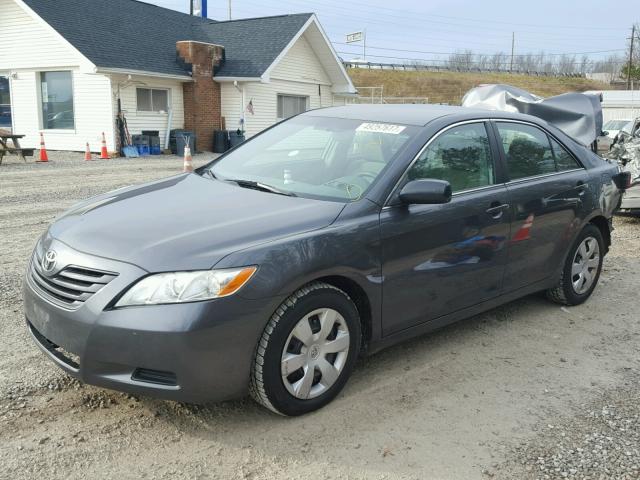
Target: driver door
{"x":437,"y":259}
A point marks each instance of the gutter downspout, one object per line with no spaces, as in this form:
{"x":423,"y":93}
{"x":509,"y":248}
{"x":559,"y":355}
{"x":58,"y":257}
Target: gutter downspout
{"x":242,"y":100}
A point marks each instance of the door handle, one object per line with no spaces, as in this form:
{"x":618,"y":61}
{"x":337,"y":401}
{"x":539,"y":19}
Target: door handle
{"x":497,"y":209}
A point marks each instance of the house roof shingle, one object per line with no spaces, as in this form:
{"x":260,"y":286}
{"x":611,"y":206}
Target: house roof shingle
{"x":133,"y":35}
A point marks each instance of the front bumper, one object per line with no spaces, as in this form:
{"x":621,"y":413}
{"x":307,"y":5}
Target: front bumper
{"x":192,"y":352}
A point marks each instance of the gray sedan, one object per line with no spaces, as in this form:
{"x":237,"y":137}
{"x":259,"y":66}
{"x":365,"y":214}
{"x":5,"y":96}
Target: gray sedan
{"x":333,"y":234}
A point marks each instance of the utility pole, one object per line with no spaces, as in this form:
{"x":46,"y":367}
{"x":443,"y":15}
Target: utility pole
{"x":633,"y":36}
{"x":364,"y":45}
{"x":513,"y":44}
{"x":229,"y":9}
{"x":191,"y":7}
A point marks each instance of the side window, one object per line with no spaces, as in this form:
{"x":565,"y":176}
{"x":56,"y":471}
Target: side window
{"x":461,"y":156}
{"x":564,"y":160}
{"x":527,"y":149}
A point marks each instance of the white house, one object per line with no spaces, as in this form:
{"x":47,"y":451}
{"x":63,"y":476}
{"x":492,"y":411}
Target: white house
{"x":65,"y":65}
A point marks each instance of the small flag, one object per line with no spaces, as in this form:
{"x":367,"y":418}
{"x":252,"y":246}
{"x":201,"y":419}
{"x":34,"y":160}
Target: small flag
{"x":250,"y":107}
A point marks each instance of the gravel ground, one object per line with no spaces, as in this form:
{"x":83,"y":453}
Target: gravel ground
{"x":526,"y":391}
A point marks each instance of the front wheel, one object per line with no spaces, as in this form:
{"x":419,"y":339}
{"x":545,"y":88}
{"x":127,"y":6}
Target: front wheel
{"x":581,"y":270}
{"x":307,"y":350}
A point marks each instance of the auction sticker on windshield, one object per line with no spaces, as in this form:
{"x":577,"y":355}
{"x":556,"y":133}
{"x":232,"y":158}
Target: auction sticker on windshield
{"x":380,"y":128}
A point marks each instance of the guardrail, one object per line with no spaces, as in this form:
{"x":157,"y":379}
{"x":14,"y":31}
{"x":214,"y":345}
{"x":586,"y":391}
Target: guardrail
{"x":440,"y":68}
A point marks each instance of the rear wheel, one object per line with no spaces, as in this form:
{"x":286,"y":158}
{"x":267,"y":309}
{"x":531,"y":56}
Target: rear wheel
{"x":581,"y":270}
{"x":307,"y":350}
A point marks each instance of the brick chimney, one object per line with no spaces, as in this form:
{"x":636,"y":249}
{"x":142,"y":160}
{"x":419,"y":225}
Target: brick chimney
{"x":202,"y":107}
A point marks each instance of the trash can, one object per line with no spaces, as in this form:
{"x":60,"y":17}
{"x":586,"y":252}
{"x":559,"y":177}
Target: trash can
{"x":177,"y":141}
{"x":236,"y":137}
{"x":220,"y":141}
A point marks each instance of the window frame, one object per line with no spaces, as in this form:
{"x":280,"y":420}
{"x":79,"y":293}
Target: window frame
{"x":498,"y":166}
{"x":10,"y":104}
{"x":40,"y":75}
{"x":550,"y":136}
{"x":154,"y":112}
{"x":307,"y":99}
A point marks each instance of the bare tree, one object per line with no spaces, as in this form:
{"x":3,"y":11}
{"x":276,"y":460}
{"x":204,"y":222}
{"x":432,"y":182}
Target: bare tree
{"x":498,"y":61}
{"x":463,"y":60}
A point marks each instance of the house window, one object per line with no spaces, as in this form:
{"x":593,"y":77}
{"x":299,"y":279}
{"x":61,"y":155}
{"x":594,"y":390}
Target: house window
{"x":5,"y":103}
{"x":152,"y":100}
{"x":57,"y":100}
{"x":290,"y":105}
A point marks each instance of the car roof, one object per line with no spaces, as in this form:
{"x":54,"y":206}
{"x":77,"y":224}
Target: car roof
{"x":407,"y":114}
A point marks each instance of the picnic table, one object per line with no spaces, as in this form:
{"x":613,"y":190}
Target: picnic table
{"x":5,"y":137}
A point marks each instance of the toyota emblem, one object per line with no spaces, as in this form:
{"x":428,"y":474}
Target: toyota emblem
{"x":49,"y":261}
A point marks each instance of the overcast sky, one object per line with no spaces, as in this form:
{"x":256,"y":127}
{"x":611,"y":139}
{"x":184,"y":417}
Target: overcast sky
{"x":429,"y":29}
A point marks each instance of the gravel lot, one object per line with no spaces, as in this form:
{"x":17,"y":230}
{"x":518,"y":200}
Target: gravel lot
{"x":526,"y":391}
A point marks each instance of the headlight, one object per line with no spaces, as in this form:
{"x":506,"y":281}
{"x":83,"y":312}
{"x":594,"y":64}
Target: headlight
{"x":180,"y":287}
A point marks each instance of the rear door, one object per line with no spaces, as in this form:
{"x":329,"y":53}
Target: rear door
{"x":548,"y":193}
{"x":437,"y":259}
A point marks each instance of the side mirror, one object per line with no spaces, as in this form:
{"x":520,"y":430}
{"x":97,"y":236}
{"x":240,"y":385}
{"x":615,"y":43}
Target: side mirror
{"x":605,"y":134}
{"x":425,"y":192}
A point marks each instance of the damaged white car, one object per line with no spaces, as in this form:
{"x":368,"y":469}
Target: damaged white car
{"x":626,"y":150}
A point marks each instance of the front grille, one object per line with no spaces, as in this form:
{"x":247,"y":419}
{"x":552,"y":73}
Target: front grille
{"x":70,"y":359}
{"x":71,"y":286}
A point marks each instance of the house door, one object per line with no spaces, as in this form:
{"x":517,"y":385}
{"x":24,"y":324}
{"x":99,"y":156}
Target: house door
{"x":5,"y":104}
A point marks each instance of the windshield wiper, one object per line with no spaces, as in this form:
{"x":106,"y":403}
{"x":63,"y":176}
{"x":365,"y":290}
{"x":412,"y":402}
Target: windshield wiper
{"x":260,"y":186}
{"x":210,"y":173}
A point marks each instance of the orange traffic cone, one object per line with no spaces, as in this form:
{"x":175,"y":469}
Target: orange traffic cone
{"x":43,"y":150}
{"x":104,"y":155}
{"x":188,"y":161}
{"x":523,"y":231}
{"x":87,"y":153}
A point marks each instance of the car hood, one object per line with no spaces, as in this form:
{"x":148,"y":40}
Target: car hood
{"x":185,"y":222}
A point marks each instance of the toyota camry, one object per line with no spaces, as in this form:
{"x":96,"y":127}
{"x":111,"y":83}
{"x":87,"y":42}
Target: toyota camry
{"x":335,"y":233}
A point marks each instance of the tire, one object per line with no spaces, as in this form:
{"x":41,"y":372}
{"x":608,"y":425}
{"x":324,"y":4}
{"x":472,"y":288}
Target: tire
{"x":321,"y":373}
{"x":565,"y":292}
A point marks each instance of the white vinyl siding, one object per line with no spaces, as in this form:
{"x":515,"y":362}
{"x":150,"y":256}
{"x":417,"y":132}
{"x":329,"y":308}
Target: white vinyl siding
{"x":27,"y":43}
{"x":301,"y":64}
{"x":29,"y":46}
{"x":92,"y":112}
{"x":141,"y":120}
{"x":299,"y":73}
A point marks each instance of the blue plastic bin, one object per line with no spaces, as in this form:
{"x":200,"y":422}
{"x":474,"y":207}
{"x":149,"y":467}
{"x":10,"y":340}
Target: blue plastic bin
{"x":143,"y":150}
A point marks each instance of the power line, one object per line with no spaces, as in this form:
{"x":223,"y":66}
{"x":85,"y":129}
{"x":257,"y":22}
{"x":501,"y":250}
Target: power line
{"x":454,"y":52}
{"x":339,"y":13}
{"x":484,"y":21}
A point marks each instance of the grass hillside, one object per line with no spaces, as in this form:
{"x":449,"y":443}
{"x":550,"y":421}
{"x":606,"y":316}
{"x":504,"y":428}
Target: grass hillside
{"x":449,"y":87}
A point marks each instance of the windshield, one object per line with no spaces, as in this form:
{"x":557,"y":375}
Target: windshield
{"x":317,"y":157}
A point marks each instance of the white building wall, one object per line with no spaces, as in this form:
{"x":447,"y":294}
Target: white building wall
{"x":301,"y":64}
{"x":29,"y":46}
{"x":27,"y":42}
{"x":620,"y":104}
{"x":619,"y":113}
{"x":139,"y":121}
{"x":91,"y":106}
{"x":298,"y":73}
